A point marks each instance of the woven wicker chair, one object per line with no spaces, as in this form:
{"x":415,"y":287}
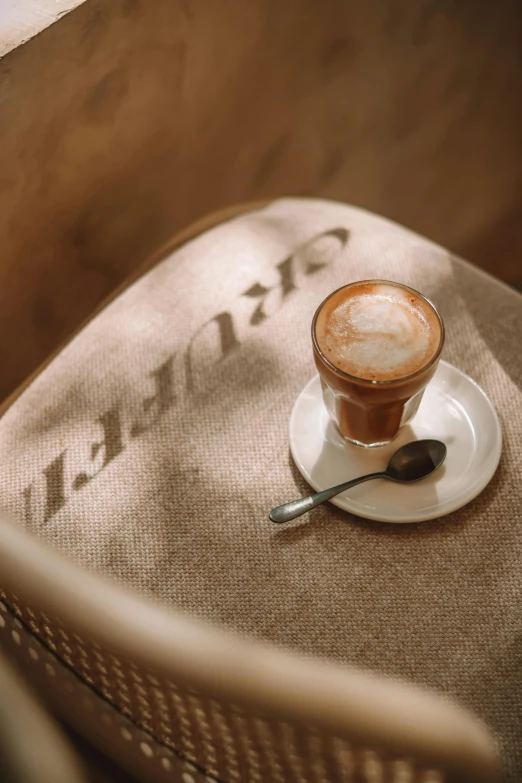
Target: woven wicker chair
{"x":32,"y":749}
{"x":245,"y":713}
{"x":171,"y":698}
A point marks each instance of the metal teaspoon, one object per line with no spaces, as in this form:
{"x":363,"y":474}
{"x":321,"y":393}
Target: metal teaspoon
{"x":412,"y":462}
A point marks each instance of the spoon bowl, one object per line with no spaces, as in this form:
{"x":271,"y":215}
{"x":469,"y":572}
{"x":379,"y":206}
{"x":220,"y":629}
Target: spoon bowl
{"x":412,"y":462}
{"x":416,"y":460}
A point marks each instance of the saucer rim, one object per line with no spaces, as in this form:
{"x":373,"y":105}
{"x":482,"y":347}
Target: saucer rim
{"x":434,"y":512}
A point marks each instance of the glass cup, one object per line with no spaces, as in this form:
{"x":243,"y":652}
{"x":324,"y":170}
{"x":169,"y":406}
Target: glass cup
{"x":367,"y":412}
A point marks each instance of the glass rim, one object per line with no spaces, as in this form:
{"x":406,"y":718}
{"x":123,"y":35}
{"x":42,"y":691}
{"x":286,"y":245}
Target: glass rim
{"x":389,"y":381}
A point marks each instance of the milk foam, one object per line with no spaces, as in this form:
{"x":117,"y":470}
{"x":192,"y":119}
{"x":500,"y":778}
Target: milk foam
{"x":378,"y":332}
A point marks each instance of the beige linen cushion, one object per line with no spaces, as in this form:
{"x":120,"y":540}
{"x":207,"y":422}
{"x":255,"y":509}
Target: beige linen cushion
{"x":152,"y":448}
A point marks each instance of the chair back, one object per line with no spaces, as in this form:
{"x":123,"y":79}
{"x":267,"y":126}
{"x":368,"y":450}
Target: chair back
{"x":32,"y":748}
{"x":235,"y":709}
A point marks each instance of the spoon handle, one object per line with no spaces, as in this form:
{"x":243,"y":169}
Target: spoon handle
{"x":295,"y":508}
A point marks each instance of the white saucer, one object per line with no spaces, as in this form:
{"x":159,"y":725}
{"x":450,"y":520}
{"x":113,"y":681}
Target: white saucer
{"x":454,"y":409}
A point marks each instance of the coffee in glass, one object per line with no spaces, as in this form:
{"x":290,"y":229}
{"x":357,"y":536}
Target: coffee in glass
{"x":376,"y":346}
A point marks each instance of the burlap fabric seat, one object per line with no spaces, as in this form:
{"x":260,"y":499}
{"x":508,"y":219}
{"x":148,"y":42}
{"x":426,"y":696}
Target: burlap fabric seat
{"x":149,"y":452}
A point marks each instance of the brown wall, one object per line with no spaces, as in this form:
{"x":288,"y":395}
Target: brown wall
{"x":124,"y":121}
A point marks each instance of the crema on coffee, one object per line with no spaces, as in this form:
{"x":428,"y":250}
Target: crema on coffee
{"x":377,"y":331}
